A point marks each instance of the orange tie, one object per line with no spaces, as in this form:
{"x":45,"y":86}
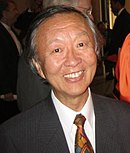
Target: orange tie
{"x":82,"y":143}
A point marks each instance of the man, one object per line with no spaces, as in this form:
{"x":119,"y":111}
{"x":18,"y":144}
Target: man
{"x":26,"y":17}
{"x":68,"y":60}
{"x":9,"y":54}
{"x":122,"y":24}
{"x":30,"y":88}
{"x":119,"y":32}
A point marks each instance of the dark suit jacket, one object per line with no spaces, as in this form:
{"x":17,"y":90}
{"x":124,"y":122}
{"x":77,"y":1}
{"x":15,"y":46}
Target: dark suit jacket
{"x":120,"y":31}
{"x":30,"y":87}
{"x":8,"y":62}
{"x":39,"y":130}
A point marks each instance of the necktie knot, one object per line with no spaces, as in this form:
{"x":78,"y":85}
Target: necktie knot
{"x":79,"y":120}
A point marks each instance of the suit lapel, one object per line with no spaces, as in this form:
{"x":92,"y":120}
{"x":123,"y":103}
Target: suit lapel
{"x":105,"y":127}
{"x":50,"y":130}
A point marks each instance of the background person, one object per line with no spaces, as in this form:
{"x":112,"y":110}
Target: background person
{"x":68,"y":60}
{"x":120,"y":30}
{"x":10,"y":49}
{"x":122,"y":85}
{"x":106,"y":35}
{"x":85,"y":6}
{"x":26,"y":17}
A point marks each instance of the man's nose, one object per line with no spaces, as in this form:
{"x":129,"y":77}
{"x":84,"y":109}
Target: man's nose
{"x":72,"y":58}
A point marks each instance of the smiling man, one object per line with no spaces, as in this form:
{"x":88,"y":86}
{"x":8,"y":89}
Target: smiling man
{"x":69,"y":61}
{"x":36,"y":90}
{"x":62,"y":47}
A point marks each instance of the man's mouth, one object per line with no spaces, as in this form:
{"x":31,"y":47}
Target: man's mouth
{"x":73,"y":75}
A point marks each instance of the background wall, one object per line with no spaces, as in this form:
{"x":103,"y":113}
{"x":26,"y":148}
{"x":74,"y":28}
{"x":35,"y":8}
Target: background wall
{"x":128,"y":5}
{"x":96,"y":10}
{"x":23,"y":4}
{"x":98,"y":14}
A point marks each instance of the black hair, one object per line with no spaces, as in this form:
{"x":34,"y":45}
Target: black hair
{"x":122,"y":2}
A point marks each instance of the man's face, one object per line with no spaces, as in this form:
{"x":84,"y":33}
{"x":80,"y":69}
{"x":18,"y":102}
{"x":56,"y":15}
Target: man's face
{"x":114,"y":7}
{"x":66,"y":51}
{"x":85,"y":6}
{"x":11,"y":13}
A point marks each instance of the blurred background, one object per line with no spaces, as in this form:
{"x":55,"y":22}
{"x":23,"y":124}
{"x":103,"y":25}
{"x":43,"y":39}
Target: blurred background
{"x":101,"y":9}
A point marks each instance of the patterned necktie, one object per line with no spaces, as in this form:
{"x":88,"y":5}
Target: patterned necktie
{"x":82,"y":143}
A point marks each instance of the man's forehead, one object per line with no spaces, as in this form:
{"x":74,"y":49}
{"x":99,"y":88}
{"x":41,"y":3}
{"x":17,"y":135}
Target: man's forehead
{"x":64,"y":21}
{"x":59,"y":18}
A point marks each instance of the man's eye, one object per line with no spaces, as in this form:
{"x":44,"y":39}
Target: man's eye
{"x":81,"y":44}
{"x":57,"y":50}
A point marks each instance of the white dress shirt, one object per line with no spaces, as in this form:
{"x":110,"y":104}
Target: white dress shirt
{"x":67,"y":116}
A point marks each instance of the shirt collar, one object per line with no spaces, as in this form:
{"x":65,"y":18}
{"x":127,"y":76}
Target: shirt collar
{"x":5,"y":25}
{"x":67,"y":115}
{"x":120,"y":11}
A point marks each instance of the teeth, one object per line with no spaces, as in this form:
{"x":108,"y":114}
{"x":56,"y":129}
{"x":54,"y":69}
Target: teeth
{"x":73,"y":75}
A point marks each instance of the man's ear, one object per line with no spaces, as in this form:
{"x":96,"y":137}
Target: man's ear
{"x":38,"y":68}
